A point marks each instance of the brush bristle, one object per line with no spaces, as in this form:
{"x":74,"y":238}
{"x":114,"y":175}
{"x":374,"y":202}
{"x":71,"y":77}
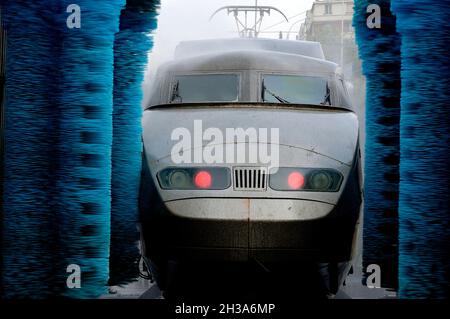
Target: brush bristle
{"x":379,"y":50}
{"x":58,"y":147}
{"x":424,"y":170}
{"x":85,"y":142}
{"x":29,"y":217}
{"x":132,"y":44}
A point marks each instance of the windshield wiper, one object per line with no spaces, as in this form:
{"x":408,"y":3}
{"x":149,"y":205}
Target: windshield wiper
{"x":327,"y":100}
{"x":176,"y":94}
{"x":279,"y":98}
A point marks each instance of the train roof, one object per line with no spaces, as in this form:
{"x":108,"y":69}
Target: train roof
{"x":250,"y":60}
{"x":200,"y":47}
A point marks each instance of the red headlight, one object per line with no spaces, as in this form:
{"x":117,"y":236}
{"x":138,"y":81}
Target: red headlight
{"x":203,"y":179}
{"x":194,"y":178}
{"x":305,"y":179}
{"x":296,"y":180}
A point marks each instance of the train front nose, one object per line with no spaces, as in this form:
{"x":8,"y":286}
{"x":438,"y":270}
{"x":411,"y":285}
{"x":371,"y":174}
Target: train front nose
{"x":235,"y":229}
{"x":201,"y":219}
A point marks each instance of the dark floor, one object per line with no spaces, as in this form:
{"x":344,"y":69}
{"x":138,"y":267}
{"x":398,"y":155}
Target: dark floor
{"x":246,"y":282}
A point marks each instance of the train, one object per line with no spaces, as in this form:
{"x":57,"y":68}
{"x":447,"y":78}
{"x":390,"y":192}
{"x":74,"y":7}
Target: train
{"x":210,"y":189}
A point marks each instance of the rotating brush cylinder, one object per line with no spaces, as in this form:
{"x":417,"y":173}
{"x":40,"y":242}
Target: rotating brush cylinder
{"x":84,"y":142}
{"x":29,"y":227}
{"x":424,"y":169}
{"x":379,"y":50}
{"x":132,"y":45}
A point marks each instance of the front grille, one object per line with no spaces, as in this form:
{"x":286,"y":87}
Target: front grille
{"x":250,"y":178}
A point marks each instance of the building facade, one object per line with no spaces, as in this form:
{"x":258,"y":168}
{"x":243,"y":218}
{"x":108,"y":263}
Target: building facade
{"x":330,"y":23}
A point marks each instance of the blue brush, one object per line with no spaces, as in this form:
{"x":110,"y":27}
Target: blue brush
{"x":379,"y":50}
{"x":84,"y":142}
{"x":132,"y":45}
{"x":57,"y":199}
{"x":424,"y":168}
{"x":29,"y":234}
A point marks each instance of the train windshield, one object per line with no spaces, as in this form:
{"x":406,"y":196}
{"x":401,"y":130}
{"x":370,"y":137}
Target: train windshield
{"x":205,"y":88}
{"x":295,"y":89}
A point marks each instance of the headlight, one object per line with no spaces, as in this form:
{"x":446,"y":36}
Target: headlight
{"x":179,"y":179}
{"x":321,"y":180}
{"x":215,"y":178}
{"x":306,"y":179}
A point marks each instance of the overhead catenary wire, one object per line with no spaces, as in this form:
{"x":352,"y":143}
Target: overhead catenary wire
{"x":283,"y":21}
{"x":292,"y":26}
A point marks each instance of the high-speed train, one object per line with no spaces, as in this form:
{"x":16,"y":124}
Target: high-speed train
{"x":251,"y":152}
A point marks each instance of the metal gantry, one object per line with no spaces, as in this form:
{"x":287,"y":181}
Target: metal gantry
{"x":246,"y":26}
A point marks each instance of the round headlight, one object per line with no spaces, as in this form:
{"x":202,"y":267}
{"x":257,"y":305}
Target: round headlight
{"x":321,"y":181}
{"x":296,"y":180}
{"x":203,"y":179}
{"x":179,"y":179}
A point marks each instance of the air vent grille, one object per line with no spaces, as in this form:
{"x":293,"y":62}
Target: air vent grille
{"x":250,"y":178}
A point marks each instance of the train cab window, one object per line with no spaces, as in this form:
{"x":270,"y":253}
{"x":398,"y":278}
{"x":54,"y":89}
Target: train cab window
{"x":295,"y":89}
{"x":205,"y":88}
